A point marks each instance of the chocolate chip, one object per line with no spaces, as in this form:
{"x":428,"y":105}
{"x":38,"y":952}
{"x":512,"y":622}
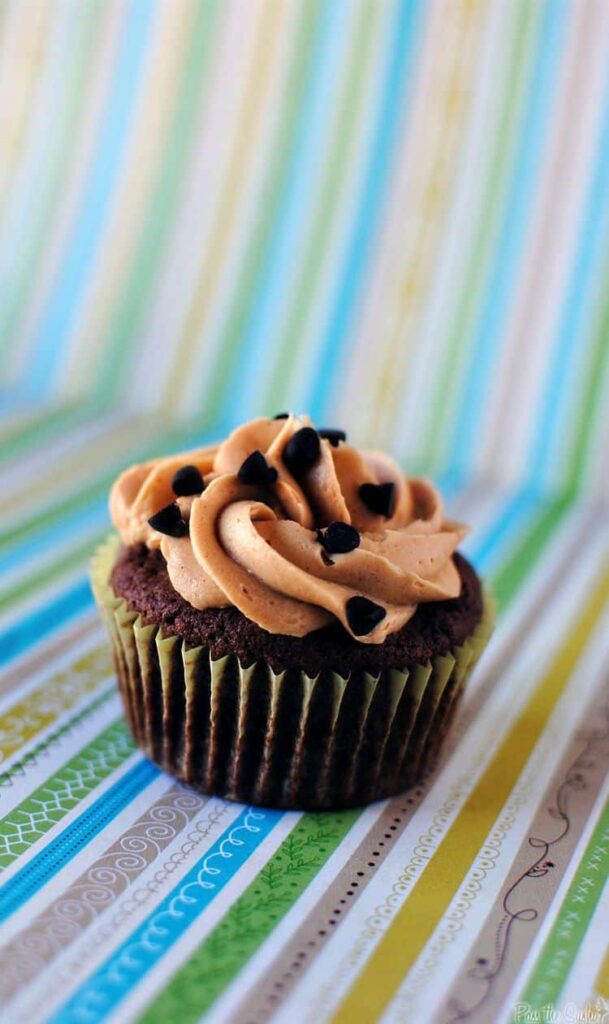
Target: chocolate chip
{"x":301,"y":451}
{"x":169,"y":521}
{"x":338,"y":538}
{"x":378,"y":498}
{"x":333,"y":436}
{"x":281,"y":416}
{"x":256,"y":471}
{"x":186,"y":481}
{"x":363,"y":615}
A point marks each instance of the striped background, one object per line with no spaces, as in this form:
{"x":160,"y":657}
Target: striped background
{"x":393,"y":214}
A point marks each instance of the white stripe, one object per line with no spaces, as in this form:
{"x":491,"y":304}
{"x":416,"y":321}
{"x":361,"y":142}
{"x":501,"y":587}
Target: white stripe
{"x":36,"y":461}
{"x":527,"y":967}
{"x":543,"y":281}
{"x":248,"y":979}
{"x":181,"y":950}
{"x":132,"y":198}
{"x":60,"y":826}
{"x":329,"y":978}
{"x":98,"y":90}
{"x":49,"y":761}
{"x":62,"y":662}
{"x":244,"y":217}
{"x":308,"y":364}
{"x":424,"y":989}
{"x":488,"y":90}
{"x":205,"y":172}
{"x":76,"y":963}
{"x":52,"y":76}
{"x":581,"y":982}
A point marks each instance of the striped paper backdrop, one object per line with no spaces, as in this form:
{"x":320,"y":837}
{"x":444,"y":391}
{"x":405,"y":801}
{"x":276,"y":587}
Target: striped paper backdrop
{"x":393,"y":214}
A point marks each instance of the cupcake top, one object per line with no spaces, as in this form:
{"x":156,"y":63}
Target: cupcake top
{"x":295,"y":528}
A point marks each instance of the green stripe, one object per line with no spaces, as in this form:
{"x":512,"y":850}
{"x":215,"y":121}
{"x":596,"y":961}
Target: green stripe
{"x":18,"y":768}
{"x":259,"y":910}
{"x":336,"y":167}
{"x":564,"y":941}
{"x":259,"y":238}
{"x":59,"y":158}
{"x":593,"y":395}
{"x":27,"y":823}
{"x":160,"y":216}
{"x":444,"y":392}
{"x":30,"y":418}
{"x":42,"y":427}
{"x":65,"y":562}
{"x":531,"y":546}
{"x":251,"y":918}
{"x":81,"y":496}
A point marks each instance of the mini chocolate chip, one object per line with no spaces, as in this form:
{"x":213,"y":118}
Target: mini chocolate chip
{"x":281,"y":416}
{"x":339,"y":538}
{"x":378,"y":498}
{"x":256,"y":471}
{"x":363,"y":615}
{"x":186,"y":481}
{"x":302,"y":450}
{"x":333,"y":436}
{"x":169,"y":521}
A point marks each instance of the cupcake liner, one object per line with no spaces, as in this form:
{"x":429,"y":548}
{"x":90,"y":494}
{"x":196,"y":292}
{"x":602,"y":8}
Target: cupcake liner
{"x":280,"y":739}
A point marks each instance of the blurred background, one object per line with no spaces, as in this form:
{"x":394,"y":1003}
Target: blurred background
{"x":392,"y":214}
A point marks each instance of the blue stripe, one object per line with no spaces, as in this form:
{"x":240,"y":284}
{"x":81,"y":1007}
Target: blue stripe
{"x":481,"y":546}
{"x":114,"y":134}
{"x":301,"y":170}
{"x":541,"y":98}
{"x":394,"y":102}
{"x":105,"y":989}
{"x":14,"y":401}
{"x":61,"y":850}
{"x":91,"y":517}
{"x":570,"y":342}
{"x":45,"y":620}
{"x":76,"y":598}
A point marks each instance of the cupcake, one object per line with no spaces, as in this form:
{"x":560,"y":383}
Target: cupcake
{"x":291,"y":621}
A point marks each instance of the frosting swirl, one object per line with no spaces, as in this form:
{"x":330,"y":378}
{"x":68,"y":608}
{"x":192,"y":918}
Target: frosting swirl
{"x":257,"y":535}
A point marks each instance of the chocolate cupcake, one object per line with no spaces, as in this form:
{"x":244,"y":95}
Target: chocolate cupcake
{"x":291,"y":621}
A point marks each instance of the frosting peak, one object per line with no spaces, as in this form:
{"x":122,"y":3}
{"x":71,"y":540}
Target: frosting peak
{"x":257,"y":535}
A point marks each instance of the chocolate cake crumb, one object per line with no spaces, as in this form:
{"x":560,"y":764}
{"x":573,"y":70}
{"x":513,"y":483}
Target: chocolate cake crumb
{"x":140,"y":577}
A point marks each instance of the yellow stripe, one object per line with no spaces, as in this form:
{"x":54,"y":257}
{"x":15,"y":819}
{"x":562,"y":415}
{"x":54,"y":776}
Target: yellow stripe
{"x":44,"y":706}
{"x":133,"y":197}
{"x":80,"y":464}
{"x":602,"y":978}
{"x":268,"y":35}
{"x":437,"y":183}
{"x":28,"y":59}
{"x":428,"y":900}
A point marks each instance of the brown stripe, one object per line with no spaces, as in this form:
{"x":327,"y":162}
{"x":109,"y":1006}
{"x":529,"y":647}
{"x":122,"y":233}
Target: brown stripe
{"x":513,"y":923}
{"x":497,"y":665}
{"x":43,"y":655}
{"x":65,"y":920}
{"x":132,"y":903}
{"x":309,"y":939}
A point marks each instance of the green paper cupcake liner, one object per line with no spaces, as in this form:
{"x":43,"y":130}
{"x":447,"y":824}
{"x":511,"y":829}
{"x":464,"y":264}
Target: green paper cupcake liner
{"x":280,"y":739}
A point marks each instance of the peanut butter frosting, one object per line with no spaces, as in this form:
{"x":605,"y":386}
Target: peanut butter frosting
{"x":294,"y":527}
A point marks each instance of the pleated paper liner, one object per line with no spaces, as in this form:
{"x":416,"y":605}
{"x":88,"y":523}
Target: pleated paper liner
{"x":282,"y":739}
